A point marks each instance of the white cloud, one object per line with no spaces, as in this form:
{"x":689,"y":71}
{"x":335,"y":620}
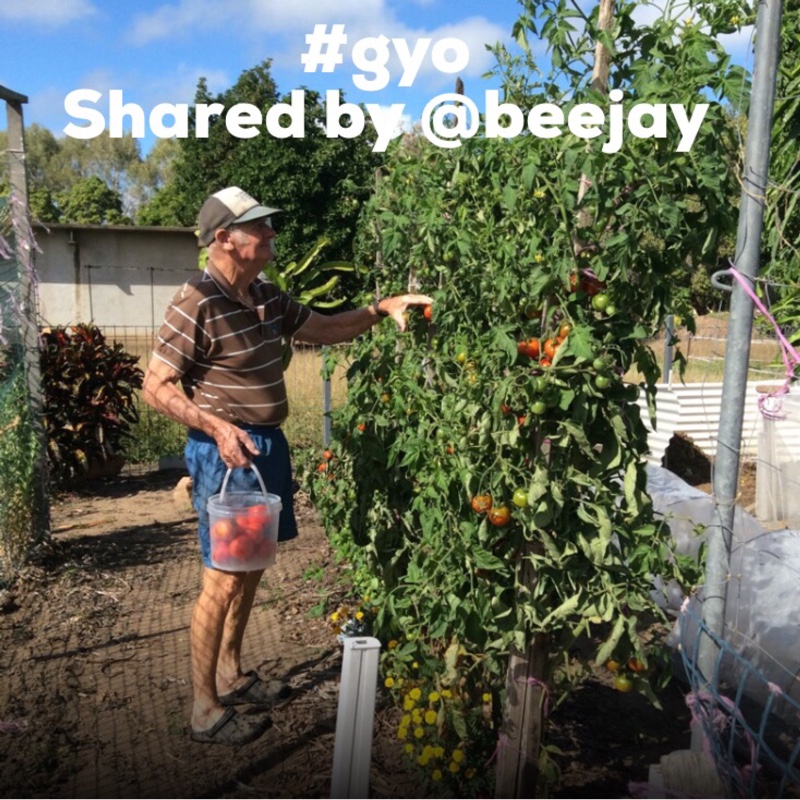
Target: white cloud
{"x":46,"y":12}
{"x":281,"y":25}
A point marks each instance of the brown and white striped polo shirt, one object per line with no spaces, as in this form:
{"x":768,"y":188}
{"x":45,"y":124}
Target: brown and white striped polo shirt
{"x":229,"y":354}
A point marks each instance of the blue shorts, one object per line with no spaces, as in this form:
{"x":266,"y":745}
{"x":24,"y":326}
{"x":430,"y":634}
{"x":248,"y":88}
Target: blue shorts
{"x":207,"y":471}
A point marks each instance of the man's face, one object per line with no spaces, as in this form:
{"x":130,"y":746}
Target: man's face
{"x":255,"y":240}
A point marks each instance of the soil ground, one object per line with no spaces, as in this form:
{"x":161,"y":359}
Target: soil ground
{"x":95,"y":692}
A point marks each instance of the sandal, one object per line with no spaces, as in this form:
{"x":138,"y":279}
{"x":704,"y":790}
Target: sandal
{"x":256,"y":692}
{"x":233,"y":729}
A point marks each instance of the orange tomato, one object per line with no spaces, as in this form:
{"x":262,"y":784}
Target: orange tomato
{"x":499,"y":515}
{"x":428,"y":313}
{"x":635,"y":665}
{"x":223,"y":530}
{"x":481,"y":503}
{"x":549,"y":348}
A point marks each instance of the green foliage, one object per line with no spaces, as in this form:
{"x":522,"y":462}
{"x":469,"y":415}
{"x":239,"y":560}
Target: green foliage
{"x":781,"y":258}
{"x":154,"y":436}
{"x":89,"y":398}
{"x":496,"y":233}
{"x":300,"y":278}
{"x":90,"y":201}
{"x":18,"y":453}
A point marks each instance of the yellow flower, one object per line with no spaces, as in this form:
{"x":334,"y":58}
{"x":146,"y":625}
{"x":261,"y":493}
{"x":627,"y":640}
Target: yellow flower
{"x":389,"y":682}
{"x":409,"y":748}
{"x":433,"y":697}
{"x":430,"y":717}
{"x":360,"y":615}
{"x":487,"y":698}
{"x":416,"y":716}
{"x":454,"y":767}
{"x":423,"y":760}
{"x":419,"y":732}
{"x":734,"y":20}
{"x":458,"y":756}
{"x":429,"y":751}
{"x":392,"y":644}
{"x":438,"y":751}
{"x":334,"y":616}
{"x":402,"y":733}
{"x":447,"y":693}
{"x":538,"y":194}
{"x":408,"y":704}
{"x":406,"y":720}
{"x":538,"y":258}
{"x":437,"y":775}
{"x":415,"y":694}
{"x":415,"y":665}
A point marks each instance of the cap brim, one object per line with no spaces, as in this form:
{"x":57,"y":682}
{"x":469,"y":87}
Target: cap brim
{"x":257,"y":212}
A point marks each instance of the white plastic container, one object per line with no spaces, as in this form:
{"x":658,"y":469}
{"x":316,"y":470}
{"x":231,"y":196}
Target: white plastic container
{"x":244,"y":528}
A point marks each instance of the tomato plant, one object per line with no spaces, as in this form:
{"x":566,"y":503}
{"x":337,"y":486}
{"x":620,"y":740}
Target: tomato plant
{"x":489,"y":230}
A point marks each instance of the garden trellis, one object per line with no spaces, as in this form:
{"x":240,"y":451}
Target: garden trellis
{"x":23,"y":481}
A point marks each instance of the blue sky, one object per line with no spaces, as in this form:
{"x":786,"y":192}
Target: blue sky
{"x":156,"y":50}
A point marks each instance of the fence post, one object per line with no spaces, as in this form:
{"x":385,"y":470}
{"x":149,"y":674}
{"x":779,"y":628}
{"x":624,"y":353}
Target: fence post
{"x":737,"y":350}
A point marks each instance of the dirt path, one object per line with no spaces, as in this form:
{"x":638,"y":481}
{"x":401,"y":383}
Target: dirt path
{"x":94,"y":668}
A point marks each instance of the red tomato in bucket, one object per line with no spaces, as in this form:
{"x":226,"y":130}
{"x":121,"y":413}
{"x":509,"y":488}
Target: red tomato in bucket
{"x":241,"y":548}
{"x":220,"y":553}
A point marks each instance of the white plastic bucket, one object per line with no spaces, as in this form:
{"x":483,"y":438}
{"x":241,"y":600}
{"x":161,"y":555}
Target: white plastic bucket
{"x":244,"y":528}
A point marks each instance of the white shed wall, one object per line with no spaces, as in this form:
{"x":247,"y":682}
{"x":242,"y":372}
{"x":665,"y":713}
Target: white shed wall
{"x":122,"y":276}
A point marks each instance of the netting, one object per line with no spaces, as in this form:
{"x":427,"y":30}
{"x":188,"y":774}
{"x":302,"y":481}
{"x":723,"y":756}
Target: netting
{"x":750,"y":721}
{"x":749,"y":704}
{"x":20,"y":480}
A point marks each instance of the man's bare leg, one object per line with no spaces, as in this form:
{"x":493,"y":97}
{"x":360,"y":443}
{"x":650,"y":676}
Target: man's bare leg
{"x":229,"y":675}
{"x":207,"y":631}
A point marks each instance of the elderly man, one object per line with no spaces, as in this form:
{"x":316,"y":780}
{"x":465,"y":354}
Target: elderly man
{"x":222,"y":341}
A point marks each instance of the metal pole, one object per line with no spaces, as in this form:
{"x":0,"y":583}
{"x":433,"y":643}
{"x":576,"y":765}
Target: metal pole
{"x":327,"y":405}
{"x":670,"y":332}
{"x":737,"y":351}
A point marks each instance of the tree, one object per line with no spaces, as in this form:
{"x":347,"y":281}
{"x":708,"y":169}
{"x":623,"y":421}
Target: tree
{"x":91,"y":202}
{"x":148,"y":177}
{"x":56,"y":167}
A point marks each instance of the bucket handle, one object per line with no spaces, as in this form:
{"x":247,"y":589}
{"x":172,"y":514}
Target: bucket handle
{"x":258,"y":475}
